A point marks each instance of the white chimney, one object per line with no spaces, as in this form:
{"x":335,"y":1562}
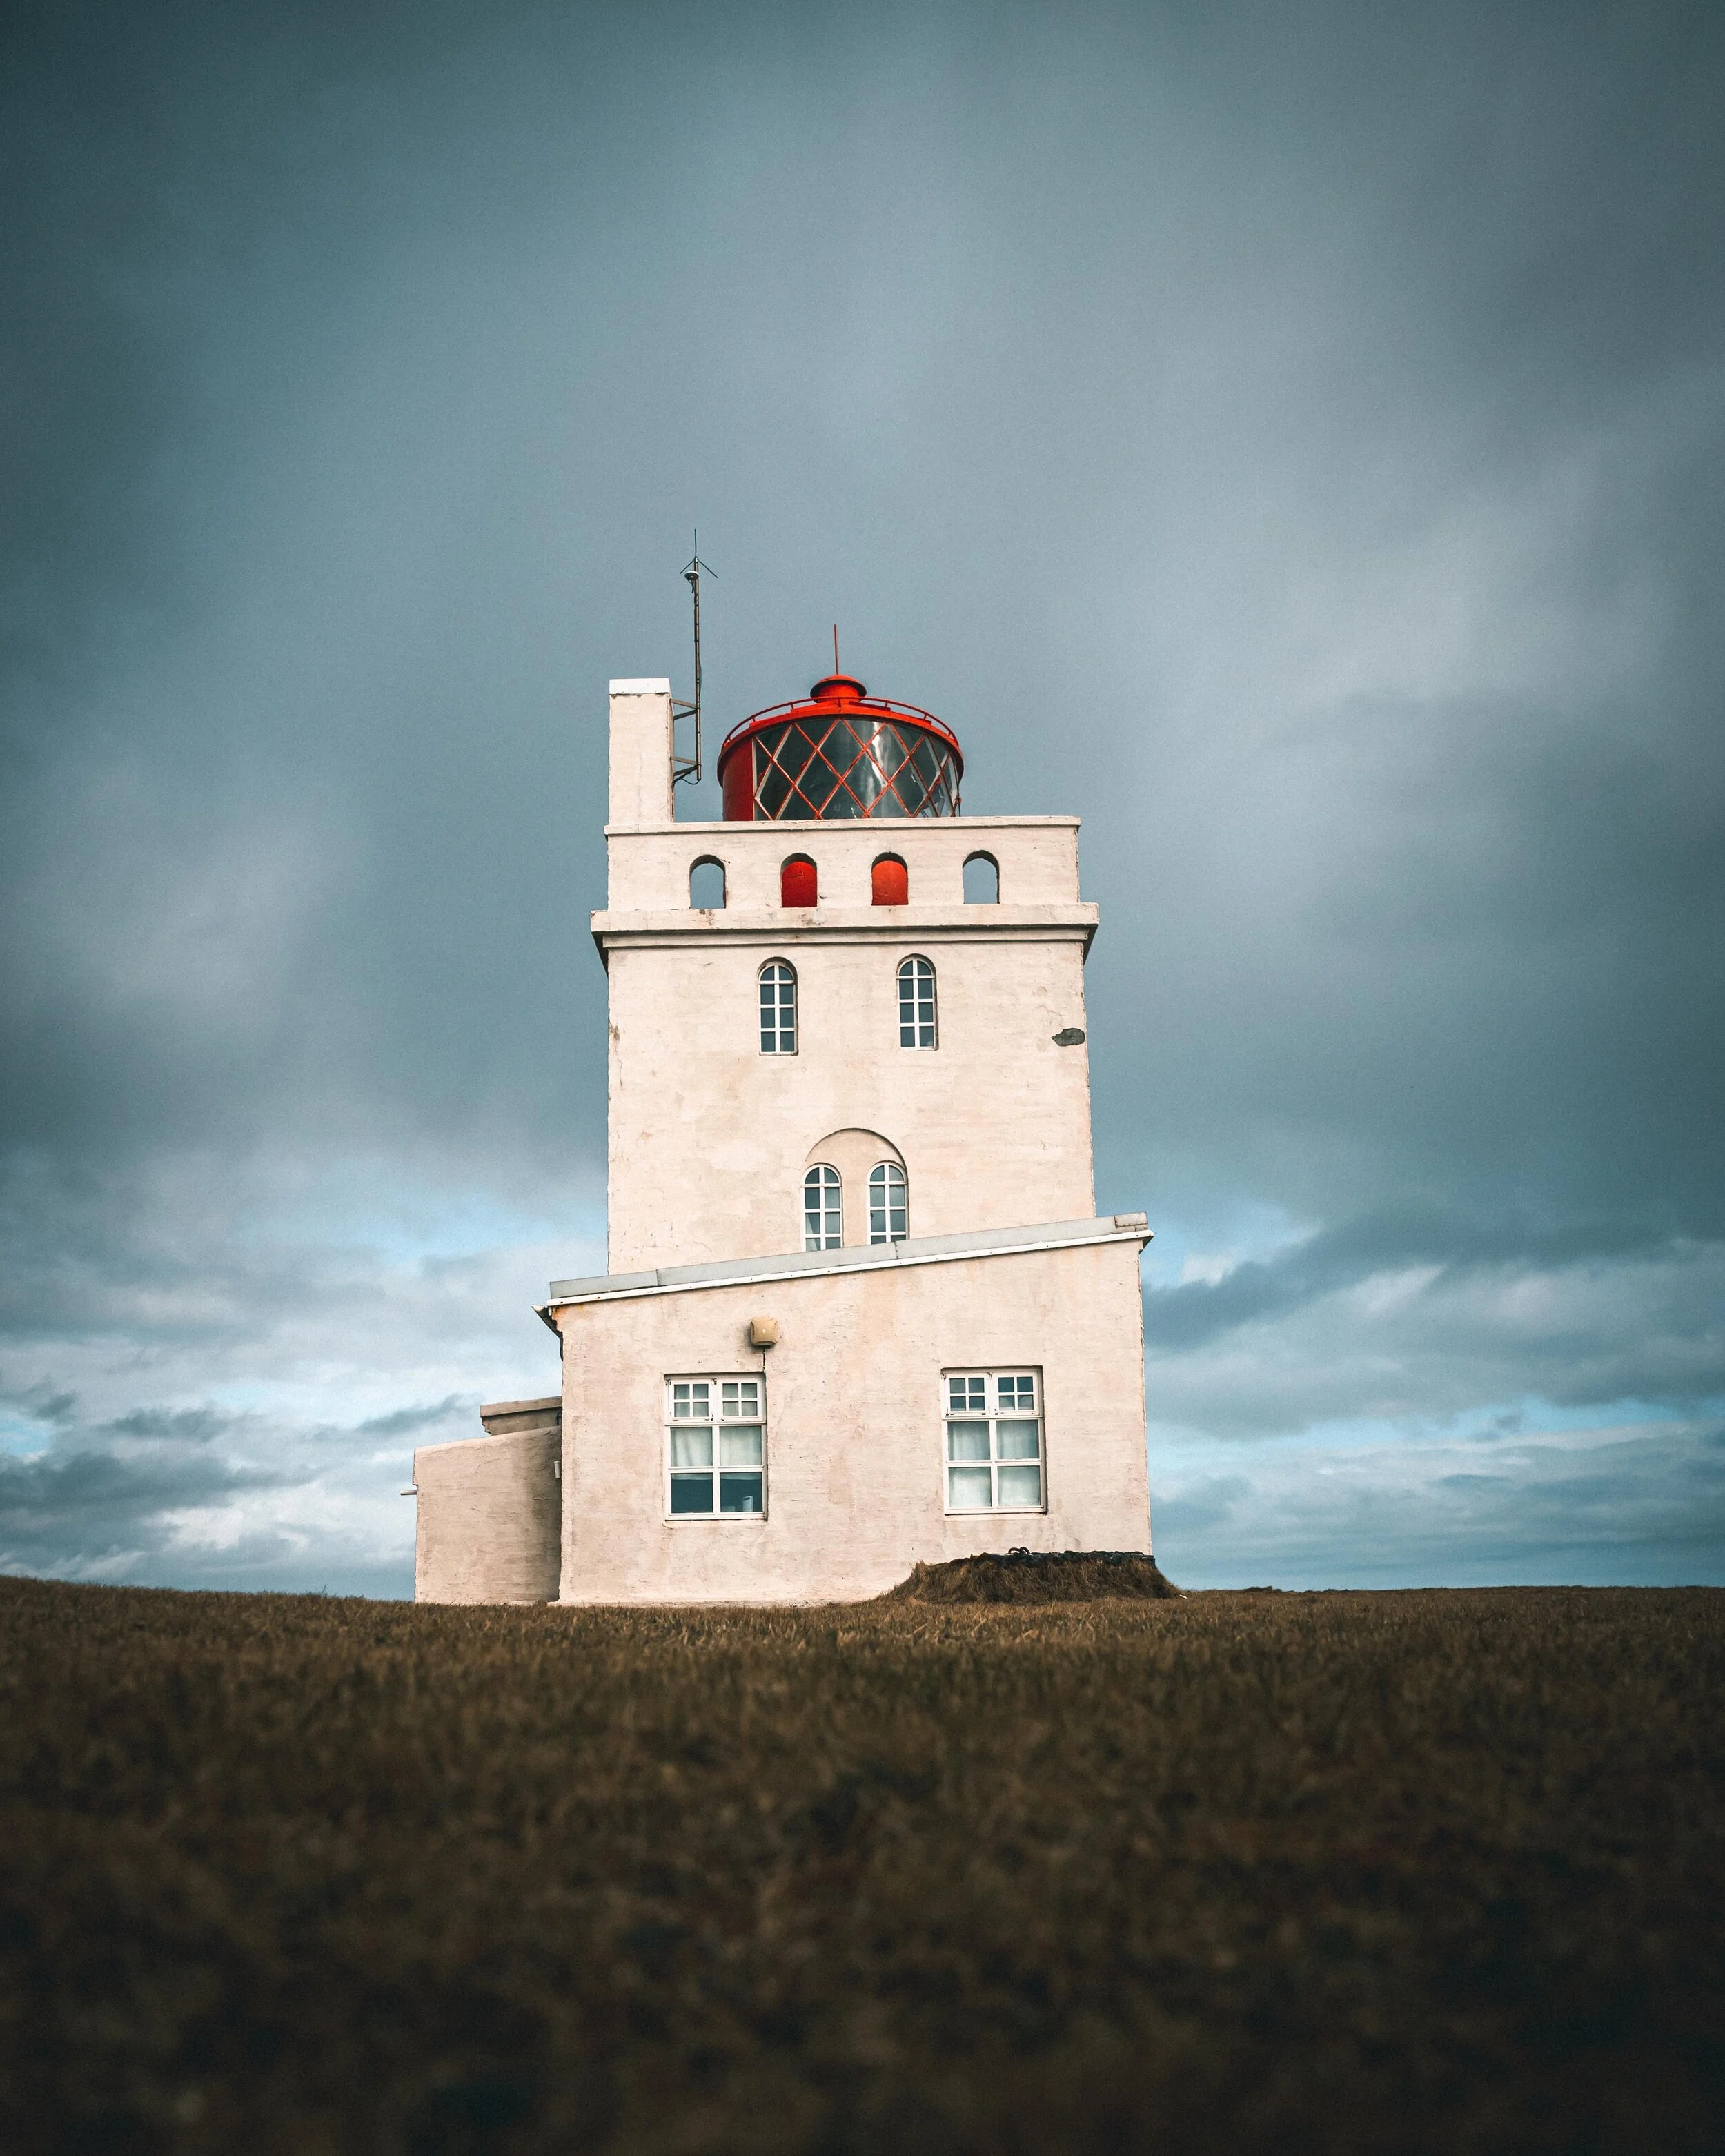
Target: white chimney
{"x":641,"y":755}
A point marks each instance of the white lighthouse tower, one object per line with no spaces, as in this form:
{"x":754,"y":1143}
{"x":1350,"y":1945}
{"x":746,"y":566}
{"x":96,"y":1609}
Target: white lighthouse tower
{"x":861,"y":1311}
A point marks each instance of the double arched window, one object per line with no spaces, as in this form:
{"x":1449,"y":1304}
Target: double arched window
{"x":824,"y":1200}
{"x":822,"y":1208}
{"x":915,"y":1005}
{"x":778,"y":1009}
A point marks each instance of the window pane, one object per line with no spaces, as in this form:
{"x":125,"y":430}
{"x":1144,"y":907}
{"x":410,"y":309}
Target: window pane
{"x":740,"y":1446}
{"x":743,"y":1397}
{"x":778,"y":1010}
{"x":692,"y":1444}
{"x":1017,"y":1393}
{"x":1021,"y":1486}
{"x":966,"y":1395}
{"x":740,"y":1493}
{"x":1017,"y":1440}
{"x":967,"y":1441}
{"x":967,"y":1489}
{"x":691,"y":1493}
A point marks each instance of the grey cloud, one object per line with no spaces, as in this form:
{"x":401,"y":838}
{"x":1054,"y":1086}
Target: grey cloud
{"x":1643,"y":1506}
{"x":1388,"y":1331}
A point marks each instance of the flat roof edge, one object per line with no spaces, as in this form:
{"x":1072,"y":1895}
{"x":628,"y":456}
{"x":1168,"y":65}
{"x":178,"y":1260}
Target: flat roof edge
{"x":863,"y":1258}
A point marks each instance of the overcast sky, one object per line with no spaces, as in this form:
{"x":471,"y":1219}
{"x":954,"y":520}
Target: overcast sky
{"x":1292,"y":438}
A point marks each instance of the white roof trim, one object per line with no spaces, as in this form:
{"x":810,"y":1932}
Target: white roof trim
{"x":863,"y":1258}
{"x":646,"y":685}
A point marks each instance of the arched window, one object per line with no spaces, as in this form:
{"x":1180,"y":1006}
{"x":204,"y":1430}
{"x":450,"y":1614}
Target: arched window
{"x":798,"y":883}
{"x":706,"y":884}
{"x":915,"y":1004}
{"x":982,"y":880}
{"x":888,"y":1212}
{"x":890,"y":882}
{"x":778,"y":1009}
{"x":822,"y":1208}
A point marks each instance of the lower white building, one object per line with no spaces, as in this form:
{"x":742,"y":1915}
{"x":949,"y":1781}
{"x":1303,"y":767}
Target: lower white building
{"x":862,"y":1311}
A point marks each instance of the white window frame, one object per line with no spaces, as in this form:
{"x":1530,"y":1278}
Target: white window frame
{"x":880,"y":1204}
{"x":779,"y":1006}
{"x":830,"y":1236}
{"x":726,"y":1396}
{"x":990,"y":1414}
{"x":917,"y":1024}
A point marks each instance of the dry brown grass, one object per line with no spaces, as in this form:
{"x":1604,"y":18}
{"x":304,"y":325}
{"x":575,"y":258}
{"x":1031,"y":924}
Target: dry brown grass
{"x":1023,"y":1575}
{"x":1427,"y":1872}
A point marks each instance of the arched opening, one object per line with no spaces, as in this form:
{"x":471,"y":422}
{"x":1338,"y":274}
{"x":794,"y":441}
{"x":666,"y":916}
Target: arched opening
{"x":778,"y":1009}
{"x":982,"y":880}
{"x":871,"y":1177}
{"x":915,"y":1005}
{"x":706,"y":884}
{"x":890,"y":882}
{"x":822,"y":1208}
{"x":798,"y":883}
{"x":889,"y":1208}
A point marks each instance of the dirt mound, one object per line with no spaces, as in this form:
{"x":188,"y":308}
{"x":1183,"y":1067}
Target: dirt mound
{"x":1023,"y":1575}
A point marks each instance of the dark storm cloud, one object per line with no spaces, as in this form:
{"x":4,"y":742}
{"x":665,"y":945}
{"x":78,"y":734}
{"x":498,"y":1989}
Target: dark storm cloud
{"x":1292,"y":438}
{"x":1645,"y":1505}
{"x":104,"y":1492}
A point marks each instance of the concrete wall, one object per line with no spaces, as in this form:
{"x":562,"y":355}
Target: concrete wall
{"x":709,"y":1136}
{"x":489,"y":1510}
{"x":640,"y":749}
{"x":856,"y":1489}
{"x":649,"y":863}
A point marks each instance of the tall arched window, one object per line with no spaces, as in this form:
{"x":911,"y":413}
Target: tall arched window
{"x":778,"y":1009}
{"x":706,"y":884}
{"x":890,"y":882}
{"x":798,"y":883}
{"x":982,"y":880}
{"x":888,"y":1211}
{"x":822,"y":1208}
{"x":915,"y":1004}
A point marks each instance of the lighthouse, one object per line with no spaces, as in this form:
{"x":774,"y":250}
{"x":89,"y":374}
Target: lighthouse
{"x":860,"y":1309}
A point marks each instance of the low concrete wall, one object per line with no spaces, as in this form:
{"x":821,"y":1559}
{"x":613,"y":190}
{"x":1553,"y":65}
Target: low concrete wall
{"x":488,"y":1509}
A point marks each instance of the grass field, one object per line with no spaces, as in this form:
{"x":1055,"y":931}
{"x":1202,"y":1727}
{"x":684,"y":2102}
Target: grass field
{"x":1244,"y":1872}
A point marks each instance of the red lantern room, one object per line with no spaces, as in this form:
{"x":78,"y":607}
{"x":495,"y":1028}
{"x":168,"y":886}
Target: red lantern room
{"x":843,"y":753}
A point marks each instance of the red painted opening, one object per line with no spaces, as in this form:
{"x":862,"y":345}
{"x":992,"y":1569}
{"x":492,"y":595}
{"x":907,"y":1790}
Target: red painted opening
{"x":891,"y":881}
{"x":797,"y":883}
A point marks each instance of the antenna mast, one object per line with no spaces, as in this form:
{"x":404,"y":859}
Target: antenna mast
{"x":689,"y":766}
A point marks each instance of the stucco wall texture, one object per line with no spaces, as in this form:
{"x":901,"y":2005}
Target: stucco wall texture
{"x":488,"y":1516}
{"x":855,"y":1492}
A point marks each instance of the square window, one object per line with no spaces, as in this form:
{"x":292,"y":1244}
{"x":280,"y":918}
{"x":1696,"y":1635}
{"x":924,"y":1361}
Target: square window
{"x":993,"y":1442}
{"x":715,"y":1448}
